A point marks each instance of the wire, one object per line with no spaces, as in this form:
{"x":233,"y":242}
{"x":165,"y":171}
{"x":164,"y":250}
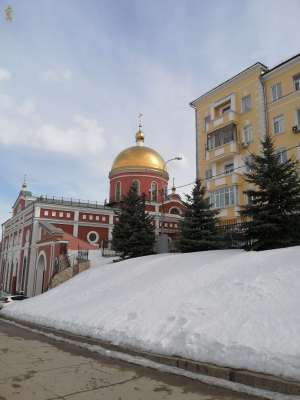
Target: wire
{"x":232,"y":170}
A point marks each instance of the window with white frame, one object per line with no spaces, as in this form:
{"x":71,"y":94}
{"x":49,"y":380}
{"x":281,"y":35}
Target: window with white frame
{"x":68,"y":215}
{"x":61,"y":214}
{"x":84,"y":216}
{"x":296,"y":79}
{"x":46,"y":213}
{"x":224,"y":197}
{"x":103,"y":219}
{"x":53,"y":213}
{"x":282,"y":155}
{"x":208,"y":174}
{"x":97,"y":218}
{"x":91,"y":217}
{"x":276,"y":91}
{"x":136,"y":185}
{"x":153,"y":191}
{"x":246,"y":103}
{"x":247,"y":133}
{"x":229,"y":168}
{"x":278,"y":124}
{"x":248,"y":163}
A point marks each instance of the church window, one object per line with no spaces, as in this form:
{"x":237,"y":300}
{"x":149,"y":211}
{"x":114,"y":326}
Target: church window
{"x":136,"y":184}
{"x":61,"y":214}
{"x":154,"y":191}
{"x":97,"y":218}
{"x":118,"y":192}
{"x":46,"y":213}
{"x":93,"y":237}
{"x":90,"y":217}
{"x":84,"y":216}
{"x":174,"y":210}
{"x":68,"y":215}
{"x":53,"y":214}
{"x":103,"y":219}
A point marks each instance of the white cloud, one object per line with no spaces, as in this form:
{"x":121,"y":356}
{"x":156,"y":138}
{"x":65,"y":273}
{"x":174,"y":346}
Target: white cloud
{"x":4,"y":74}
{"x":57,"y":75}
{"x":24,"y":127}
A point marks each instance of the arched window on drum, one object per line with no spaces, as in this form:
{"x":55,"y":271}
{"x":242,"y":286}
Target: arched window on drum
{"x":154,"y":191}
{"x":136,"y":185}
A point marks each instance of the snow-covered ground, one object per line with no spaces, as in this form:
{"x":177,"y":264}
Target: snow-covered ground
{"x":229,"y":307}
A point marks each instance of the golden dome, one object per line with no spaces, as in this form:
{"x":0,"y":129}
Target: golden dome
{"x":139,"y":157}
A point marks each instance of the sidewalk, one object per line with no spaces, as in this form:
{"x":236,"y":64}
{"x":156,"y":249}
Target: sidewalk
{"x":229,"y":376}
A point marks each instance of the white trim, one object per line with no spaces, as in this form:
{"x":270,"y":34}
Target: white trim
{"x":93,"y":241}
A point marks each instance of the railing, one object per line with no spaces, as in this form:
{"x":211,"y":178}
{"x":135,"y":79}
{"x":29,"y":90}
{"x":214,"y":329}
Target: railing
{"x":70,"y":202}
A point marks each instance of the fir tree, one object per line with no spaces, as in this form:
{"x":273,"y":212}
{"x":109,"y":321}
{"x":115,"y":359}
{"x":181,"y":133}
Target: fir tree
{"x":274,"y":203}
{"x":133,"y":235}
{"x":198,"y":228}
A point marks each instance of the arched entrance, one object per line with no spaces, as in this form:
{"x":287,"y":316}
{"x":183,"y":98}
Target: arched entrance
{"x":41,"y":264}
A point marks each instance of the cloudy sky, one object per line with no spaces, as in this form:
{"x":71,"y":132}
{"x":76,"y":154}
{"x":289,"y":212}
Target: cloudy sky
{"x":74,"y":74}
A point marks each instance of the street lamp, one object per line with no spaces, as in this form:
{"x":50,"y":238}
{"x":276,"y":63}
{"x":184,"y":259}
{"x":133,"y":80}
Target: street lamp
{"x":177,"y":158}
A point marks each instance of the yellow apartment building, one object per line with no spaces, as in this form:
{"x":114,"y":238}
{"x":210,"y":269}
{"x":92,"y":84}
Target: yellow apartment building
{"x":233,"y":117}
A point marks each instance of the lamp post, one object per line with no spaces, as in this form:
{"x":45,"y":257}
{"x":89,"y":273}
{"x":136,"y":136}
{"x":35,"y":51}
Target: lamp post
{"x":177,"y":158}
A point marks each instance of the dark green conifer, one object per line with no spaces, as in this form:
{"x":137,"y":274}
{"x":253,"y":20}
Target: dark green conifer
{"x":133,"y":235}
{"x":274,"y":202}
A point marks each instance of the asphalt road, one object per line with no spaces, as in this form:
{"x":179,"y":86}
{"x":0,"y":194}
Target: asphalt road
{"x":34,"y":367}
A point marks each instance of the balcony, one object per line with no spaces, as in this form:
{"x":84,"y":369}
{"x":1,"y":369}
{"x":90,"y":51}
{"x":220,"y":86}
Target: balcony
{"x":222,"y":143}
{"x":233,"y":179}
{"x":227,"y":118}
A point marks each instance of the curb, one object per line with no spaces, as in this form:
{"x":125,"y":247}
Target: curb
{"x":252,"y":379}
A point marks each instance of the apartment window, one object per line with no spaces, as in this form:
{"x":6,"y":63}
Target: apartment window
{"x":229,"y":168}
{"x":206,"y":122}
{"x":225,"y":197}
{"x":296,"y":79}
{"x":248,"y":134}
{"x":282,"y":155}
{"x":248,"y":163}
{"x":118,"y":192}
{"x":278,"y":124}
{"x":246,"y":103}
{"x":276,"y":91}
{"x":208,"y":174}
{"x":226,"y":109}
{"x":221,"y":137}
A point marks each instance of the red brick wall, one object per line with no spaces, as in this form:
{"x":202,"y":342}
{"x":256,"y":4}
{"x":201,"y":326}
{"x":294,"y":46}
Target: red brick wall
{"x":84,"y":230}
{"x":65,"y":228}
{"x":145,"y":179}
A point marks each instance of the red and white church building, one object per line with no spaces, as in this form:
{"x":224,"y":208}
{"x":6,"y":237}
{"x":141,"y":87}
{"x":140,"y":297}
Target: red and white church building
{"x":42,"y":229}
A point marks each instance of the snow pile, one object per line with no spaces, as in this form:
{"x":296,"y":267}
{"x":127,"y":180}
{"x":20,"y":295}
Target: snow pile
{"x":227,"y":307}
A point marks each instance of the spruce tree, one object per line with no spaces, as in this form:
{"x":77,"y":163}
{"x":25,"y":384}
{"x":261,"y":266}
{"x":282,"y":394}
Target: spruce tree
{"x":198,"y":228}
{"x":133,"y":235}
{"x":274,"y":202}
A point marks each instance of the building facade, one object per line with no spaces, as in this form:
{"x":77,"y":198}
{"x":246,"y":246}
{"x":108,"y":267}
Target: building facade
{"x":231,"y":120}
{"x":42,"y":232}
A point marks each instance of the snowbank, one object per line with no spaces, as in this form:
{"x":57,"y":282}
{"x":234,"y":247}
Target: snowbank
{"x":227,"y":307}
